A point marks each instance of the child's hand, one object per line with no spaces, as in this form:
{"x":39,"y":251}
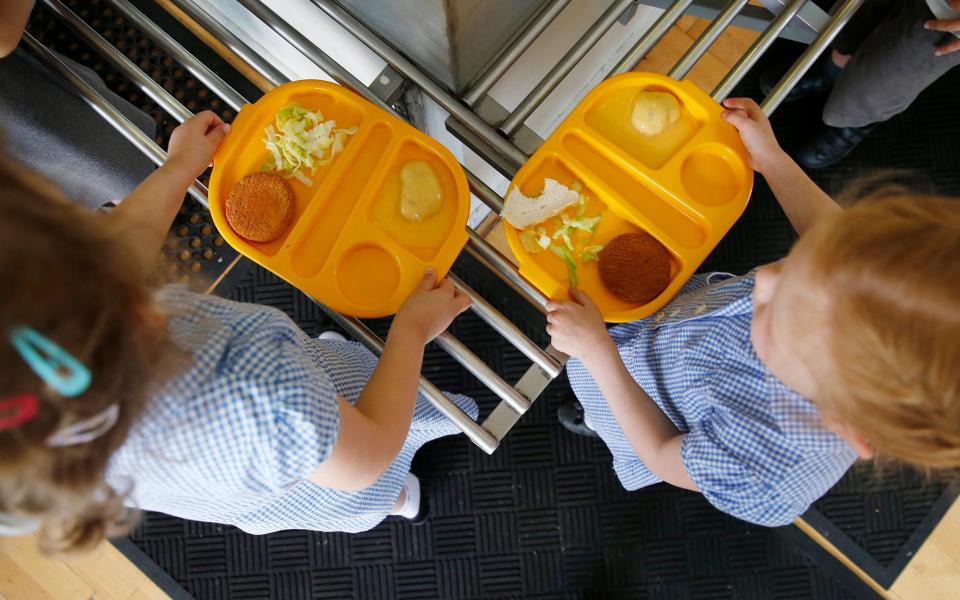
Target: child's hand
{"x":193,"y":143}
{"x":755,"y":130}
{"x":576,"y":328}
{"x":431,"y":308}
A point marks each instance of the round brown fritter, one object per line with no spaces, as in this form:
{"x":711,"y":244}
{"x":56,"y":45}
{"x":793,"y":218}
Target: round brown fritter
{"x":259,"y":207}
{"x":635,"y":267}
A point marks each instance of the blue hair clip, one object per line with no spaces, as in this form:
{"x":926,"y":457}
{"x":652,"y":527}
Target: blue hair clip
{"x":54,"y":365}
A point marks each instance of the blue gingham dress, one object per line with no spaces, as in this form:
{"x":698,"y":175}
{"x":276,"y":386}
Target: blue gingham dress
{"x":756,"y":449}
{"x":232,"y":438}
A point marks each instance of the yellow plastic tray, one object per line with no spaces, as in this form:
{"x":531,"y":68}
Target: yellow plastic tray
{"x":686,"y":186}
{"x":348,"y":246}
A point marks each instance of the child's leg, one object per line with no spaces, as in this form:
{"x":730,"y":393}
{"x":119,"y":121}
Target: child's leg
{"x":889,"y":69}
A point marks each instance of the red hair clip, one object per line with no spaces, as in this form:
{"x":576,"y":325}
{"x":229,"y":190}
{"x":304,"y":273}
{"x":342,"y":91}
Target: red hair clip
{"x":16,"y":410}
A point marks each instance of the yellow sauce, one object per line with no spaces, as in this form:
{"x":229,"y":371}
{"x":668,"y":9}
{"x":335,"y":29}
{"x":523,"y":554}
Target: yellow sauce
{"x":390,"y":211}
{"x":420,"y":193}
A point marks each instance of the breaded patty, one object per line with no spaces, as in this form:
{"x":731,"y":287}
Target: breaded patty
{"x":259,"y":207}
{"x":635,"y":267}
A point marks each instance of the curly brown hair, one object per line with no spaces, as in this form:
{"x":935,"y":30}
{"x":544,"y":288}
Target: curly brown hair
{"x":68,"y":277}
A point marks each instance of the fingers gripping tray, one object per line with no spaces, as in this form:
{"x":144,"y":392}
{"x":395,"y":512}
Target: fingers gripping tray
{"x":348,"y":246}
{"x":685,"y":186}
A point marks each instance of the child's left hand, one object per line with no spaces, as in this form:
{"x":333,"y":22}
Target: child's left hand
{"x":193,"y":143}
{"x":576,"y":327}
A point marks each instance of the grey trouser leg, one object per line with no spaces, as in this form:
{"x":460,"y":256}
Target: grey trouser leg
{"x":890,"y":68}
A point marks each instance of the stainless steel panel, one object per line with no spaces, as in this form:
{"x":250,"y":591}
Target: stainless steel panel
{"x":452,"y":40}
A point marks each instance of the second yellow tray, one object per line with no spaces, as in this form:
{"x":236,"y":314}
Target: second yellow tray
{"x":686,"y":186}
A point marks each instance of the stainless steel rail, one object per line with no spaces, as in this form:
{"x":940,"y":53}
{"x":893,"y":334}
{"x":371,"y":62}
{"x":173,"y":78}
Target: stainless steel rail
{"x":756,"y":50}
{"x":480,"y":249}
{"x":563,"y":67}
{"x":106,"y":110}
{"x":508,"y":330}
{"x":651,"y":37}
{"x":403,"y":66}
{"x":509,"y":56}
{"x":839,"y":19}
{"x":482,"y":191}
{"x":231,"y":41}
{"x":706,"y":39}
{"x":477,"y":434}
{"x":189,"y":61}
{"x":482,"y":371}
{"x":159,"y":95}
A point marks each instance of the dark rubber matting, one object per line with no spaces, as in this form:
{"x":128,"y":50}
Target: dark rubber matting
{"x":544,"y":515}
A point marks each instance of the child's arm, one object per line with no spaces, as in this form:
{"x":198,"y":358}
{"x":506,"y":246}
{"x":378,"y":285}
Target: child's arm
{"x":372,"y":431}
{"x":577,"y":329}
{"x":13,"y":20}
{"x":144,"y":217}
{"x":798,"y":195}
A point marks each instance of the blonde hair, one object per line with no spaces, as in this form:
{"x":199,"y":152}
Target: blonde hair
{"x":891,"y":266}
{"x":67,"y":277}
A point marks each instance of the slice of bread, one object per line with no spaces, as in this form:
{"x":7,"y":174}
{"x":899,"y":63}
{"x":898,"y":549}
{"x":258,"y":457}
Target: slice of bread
{"x":523,"y":211}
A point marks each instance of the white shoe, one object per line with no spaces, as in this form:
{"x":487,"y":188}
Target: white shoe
{"x":334,"y":336}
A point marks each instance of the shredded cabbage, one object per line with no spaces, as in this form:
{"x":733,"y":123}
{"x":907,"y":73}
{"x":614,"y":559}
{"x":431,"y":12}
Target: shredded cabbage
{"x":529,"y":241}
{"x":302,"y":141}
{"x":591,"y":253}
{"x":571,"y":232}
{"x":567,"y":257}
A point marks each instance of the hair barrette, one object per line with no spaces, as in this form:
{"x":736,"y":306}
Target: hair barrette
{"x":17,"y":410}
{"x":55,"y":366}
{"x":86,"y":430}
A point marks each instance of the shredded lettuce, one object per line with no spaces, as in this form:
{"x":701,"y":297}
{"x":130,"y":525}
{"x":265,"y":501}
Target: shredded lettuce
{"x":591,"y":253}
{"x":571,"y":232}
{"x":530,"y":241}
{"x":301,"y":142}
{"x":567,"y":257}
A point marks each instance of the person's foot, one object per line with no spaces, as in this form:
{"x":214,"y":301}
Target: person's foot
{"x":571,"y":416}
{"x":830,"y":145}
{"x":332,"y":335}
{"x":818,"y":80}
{"x":415,"y":506}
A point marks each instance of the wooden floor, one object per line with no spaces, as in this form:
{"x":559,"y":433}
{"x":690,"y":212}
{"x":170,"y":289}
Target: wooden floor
{"x":105,"y":574}
{"x":26,"y":574}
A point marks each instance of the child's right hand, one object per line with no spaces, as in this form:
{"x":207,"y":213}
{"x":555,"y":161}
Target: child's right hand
{"x":576,"y":327}
{"x":755,"y":130}
{"x":193,"y":143}
{"x":430,"y":309}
